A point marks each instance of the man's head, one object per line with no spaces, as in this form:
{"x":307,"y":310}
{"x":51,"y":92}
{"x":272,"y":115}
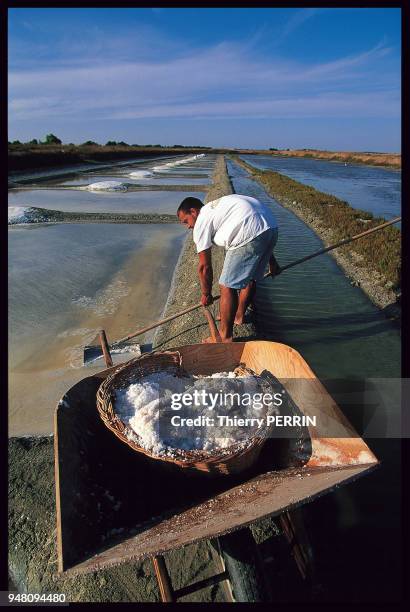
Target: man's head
{"x":188,"y":211}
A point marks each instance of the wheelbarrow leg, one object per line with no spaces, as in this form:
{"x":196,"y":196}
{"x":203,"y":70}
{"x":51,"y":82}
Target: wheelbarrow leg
{"x":298,"y":539}
{"x":164,"y":581}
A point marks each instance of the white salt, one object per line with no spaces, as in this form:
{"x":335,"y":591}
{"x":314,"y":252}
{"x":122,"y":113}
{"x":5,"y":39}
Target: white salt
{"x":107,"y":186}
{"x":19,"y":214}
{"x":177,"y":162}
{"x":140,"y":174}
{"x":143,"y":405}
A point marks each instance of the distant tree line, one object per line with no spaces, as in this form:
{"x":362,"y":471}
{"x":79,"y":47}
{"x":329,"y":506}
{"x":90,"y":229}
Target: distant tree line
{"x":52,"y":139}
{"x":49,"y":139}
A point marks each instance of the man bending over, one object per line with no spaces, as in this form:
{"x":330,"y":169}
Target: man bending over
{"x":248,"y":231}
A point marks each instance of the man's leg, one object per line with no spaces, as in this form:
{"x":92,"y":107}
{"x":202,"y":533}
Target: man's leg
{"x":245,"y":298}
{"x":227,"y":307}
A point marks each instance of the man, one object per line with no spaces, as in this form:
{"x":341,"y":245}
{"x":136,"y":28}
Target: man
{"x":248,"y":231}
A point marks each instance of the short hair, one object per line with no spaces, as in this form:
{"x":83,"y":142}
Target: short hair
{"x":189,"y":203}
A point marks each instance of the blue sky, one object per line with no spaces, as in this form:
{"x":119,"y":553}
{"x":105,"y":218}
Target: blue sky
{"x":297,"y":78}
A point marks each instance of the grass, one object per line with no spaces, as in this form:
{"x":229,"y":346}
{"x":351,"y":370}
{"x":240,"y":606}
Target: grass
{"x":381,"y":253}
{"x":392,"y":160}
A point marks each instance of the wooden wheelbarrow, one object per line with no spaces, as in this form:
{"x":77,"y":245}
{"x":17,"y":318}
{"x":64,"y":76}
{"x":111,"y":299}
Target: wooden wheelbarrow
{"x":115,"y":505}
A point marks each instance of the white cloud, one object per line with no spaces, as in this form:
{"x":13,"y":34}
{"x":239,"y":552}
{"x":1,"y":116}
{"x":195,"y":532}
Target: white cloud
{"x":297,"y":20}
{"x":223,"y":80}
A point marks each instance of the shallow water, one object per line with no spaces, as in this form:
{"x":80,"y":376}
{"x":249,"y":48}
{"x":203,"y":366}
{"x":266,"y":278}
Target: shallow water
{"x":315,"y":309}
{"x":111,"y":167}
{"x":342,"y":335}
{"x":377,"y":190}
{"x":66,"y":282}
{"x":196,"y":173}
{"x":183,"y":171}
{"x":82,"y":179}
{"x":72,"y":200}
{"x":71,"y":169}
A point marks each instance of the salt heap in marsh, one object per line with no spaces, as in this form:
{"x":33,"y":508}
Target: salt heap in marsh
{"x":140,"y":174}
{"x":146,"y":405}
{"x":178,"y":162}
{"x":19,"y":214}
{"x":107,"y":186}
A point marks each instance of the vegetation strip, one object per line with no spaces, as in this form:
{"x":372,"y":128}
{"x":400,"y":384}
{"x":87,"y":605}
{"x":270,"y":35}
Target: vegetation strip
{"x":373,"y":263}
{"x":388,"y":160}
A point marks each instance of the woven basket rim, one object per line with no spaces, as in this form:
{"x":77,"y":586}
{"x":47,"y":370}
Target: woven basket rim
{"x":105,"y":395}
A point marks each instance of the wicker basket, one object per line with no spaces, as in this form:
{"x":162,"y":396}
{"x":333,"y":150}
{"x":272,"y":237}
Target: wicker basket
{"x":231,"y":460}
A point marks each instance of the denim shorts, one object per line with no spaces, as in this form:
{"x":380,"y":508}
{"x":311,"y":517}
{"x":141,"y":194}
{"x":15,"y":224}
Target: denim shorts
{"x":248,"y":262}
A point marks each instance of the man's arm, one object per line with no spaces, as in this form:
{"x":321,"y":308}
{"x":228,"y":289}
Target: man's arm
{"x":205,"y":276}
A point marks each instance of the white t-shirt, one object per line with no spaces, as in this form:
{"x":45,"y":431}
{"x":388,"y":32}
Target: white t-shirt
{"x":231,"y":222}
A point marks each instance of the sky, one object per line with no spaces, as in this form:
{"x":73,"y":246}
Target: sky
{"x":324,"y":78}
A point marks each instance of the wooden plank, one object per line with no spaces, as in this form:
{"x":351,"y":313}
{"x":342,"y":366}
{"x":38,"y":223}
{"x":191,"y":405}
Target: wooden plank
{"x":268,"y":495}
{"x":344,"y":446}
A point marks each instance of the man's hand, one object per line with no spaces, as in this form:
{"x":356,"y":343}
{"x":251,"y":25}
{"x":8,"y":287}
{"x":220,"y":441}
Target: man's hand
{"x":206,"y":299}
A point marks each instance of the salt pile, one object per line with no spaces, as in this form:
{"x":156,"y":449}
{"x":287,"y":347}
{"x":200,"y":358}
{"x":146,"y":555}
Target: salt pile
{"x":107,"y":186}
{"x":19,"y":214}
{"x":178,"y":162}
{"x":140,"y":174}
{"x":143,"y":405}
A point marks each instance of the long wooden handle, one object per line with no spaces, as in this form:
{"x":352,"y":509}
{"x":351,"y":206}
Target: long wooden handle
{"x":337,"y":244}
{"x":215,"y":335}
{"x":170,"y":318}
{"x":287,"y":267}
{"x":105,"y":349}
